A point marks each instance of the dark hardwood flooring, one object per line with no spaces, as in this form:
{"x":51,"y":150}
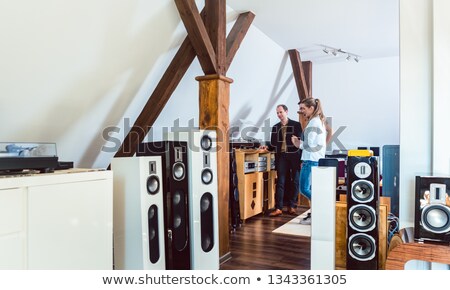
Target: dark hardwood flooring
{"x":253,"y":246}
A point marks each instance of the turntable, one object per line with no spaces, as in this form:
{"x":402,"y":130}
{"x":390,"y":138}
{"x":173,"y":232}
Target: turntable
{"x":20,"y":156}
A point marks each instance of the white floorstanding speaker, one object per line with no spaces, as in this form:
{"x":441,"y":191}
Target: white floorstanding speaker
{"x":138,"y":213}
{"x":323,"y":218}
{"x":203,"y":203}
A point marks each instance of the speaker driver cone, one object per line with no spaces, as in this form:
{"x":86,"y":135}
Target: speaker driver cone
{"x":152,"y":184}
{"x":207,"y":176}
{"x":206,"y":143}
{"x":236,"y":194}
{"x":205,"y":203}
{"x":362,"y":247}
{"x":235,"y":180}
{"x":362,"y":191}
{"x":436,"y":218}
{"x":178,"y":171}
{"x":362,"y":218}
{"x":207,"y":244}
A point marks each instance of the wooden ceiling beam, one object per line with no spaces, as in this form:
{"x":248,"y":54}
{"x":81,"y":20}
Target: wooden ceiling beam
{"x":299,"y":75}
{"x":307,"y":71}
{"x":236,"y":35}
{"x":198,"y":35}
{"x":166,"y":86}
{"x":216,"y":26}
{"x":158,"y":99}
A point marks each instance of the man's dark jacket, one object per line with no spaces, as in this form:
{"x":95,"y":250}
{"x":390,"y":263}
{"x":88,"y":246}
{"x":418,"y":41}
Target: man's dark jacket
{"x":293,"y":128}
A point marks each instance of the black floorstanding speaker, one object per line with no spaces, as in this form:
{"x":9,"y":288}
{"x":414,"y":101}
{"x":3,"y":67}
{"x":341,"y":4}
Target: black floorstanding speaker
{"x":432,"y":209}
{"x":362,"y":212}
{"x":176,"y":199}
{"x":138,"y":213}
{"x":203,"y":197}
{"x":235,"y":216}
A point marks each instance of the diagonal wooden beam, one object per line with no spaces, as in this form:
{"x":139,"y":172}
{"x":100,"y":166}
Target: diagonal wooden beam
{"x":166,"y":86}
{"x":237,"y":34}
{"x":154,"y":106}
{"x":216,"y":26}
{"x":299,"y":76}
{"x":307,"y":69}
{"x":198,"y":35}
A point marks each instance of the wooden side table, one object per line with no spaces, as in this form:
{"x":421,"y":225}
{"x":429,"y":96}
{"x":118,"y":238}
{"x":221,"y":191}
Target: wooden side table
{"x":400,"y":255}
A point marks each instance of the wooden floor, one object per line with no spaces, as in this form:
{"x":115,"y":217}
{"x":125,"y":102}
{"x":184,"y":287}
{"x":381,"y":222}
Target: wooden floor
{"x":253,"y":246}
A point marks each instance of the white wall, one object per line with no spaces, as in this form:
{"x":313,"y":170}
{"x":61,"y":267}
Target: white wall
{"x":441,"y":87}
{"x":415,"y":100}
{"x":424,"y":98}
{"x":71,"y":68}
{"x":362,"y":97}
{"x":262,"y":78}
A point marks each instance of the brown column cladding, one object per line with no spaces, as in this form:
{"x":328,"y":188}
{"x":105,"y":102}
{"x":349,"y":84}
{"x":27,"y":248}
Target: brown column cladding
{"x":214,"y":94}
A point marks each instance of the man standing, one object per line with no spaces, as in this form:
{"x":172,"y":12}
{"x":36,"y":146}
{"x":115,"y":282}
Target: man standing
{"x":287,"y":160}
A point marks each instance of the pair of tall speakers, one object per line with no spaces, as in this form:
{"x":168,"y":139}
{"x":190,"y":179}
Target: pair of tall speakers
{"x":138,"y":213}
{"x":175,"y":199}
{"x":203,"y":197}
{"x":432,"y":210}
{"x":362,"y":212}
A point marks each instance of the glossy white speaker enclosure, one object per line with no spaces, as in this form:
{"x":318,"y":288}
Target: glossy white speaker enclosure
{"x":138,"y":213}
{"x":203,"y":197}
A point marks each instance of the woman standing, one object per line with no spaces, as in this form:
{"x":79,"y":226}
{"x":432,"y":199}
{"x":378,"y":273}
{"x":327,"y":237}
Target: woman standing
{"x":313,"y":144}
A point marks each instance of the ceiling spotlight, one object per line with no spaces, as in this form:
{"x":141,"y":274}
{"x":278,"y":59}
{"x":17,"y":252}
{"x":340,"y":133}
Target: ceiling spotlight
{"x":339,"y":53}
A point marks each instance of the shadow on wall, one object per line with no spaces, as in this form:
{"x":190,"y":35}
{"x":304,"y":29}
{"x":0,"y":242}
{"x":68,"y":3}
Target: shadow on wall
{"x":278,"y":89}
{"x":117,"y":84}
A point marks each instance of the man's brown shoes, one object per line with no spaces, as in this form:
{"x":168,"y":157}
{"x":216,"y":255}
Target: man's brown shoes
{"x":291,"y":211}
{"x":275,"y":213}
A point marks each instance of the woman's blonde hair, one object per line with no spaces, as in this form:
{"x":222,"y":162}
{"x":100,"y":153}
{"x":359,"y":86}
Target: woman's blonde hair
{"x":311,"y":102}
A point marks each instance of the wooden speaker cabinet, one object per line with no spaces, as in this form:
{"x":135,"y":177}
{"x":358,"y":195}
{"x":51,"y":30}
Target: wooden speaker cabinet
{"x":256,"y":181}
{"x":250,"y":199}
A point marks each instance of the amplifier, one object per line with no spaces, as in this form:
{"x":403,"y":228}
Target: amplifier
{"x":249,"y":166}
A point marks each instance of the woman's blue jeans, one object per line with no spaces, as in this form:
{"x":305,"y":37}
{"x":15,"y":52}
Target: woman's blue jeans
{"x":305,"y":177}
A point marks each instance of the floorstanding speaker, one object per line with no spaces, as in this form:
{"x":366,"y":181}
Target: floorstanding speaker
{"x":203,"y":197}
{"x":176,"y":199}
{"x":323,"y":229}
{"x":138,"y":213}
{"x":362,"y":212}
{"x":235,"y":216}
{"x":432,"y":209}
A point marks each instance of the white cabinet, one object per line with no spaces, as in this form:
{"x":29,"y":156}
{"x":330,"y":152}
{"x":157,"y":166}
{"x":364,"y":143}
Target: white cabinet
{"x":12,"y":228}
{"x":54,"y":221}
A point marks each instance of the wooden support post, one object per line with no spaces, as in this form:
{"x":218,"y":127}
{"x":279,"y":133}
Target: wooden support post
{"x":214,"y":104}
{"x":303,"y":78}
